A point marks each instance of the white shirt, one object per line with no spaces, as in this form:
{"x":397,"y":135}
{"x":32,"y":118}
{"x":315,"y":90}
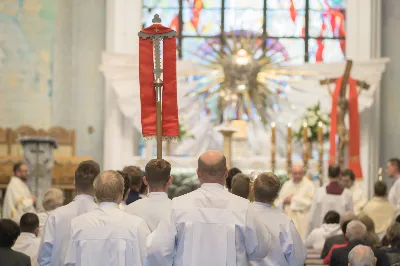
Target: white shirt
{"x":316,"y":239}
{"x":209,"y":226}
{"x":324,"y":202}
{"x":18,"y":200}
{"x":56,"y":230}
{"x":287,"y":248}
{"x":42,"y":221}
{"x":28,"y":244}
{"x":107,"y":236}
{"x":394,"y":194}
{"x":154,"y":208}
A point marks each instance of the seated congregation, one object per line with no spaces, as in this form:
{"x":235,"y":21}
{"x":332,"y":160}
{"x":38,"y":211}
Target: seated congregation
{"x":126,"y":218}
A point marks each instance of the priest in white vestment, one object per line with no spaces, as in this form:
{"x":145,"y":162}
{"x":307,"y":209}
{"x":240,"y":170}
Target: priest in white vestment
{"x":295,"y":198}
{"x":56,"y":230}
{"x":28,"y":242}
{"x":107,"y":235}
{"x":287,"y":248}
{"x":209,"y":226}
{"x":156,"y":206}
{"x":18,"y":199}
{"x":347,"y":180}
{"x":332,"y":197}
{"x":331,"y":227}
{"x":393,"y":170}
{"x":380,"y":210}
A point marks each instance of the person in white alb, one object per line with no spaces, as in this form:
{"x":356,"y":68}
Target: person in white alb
{"x":287,"y":248}
{"x":209,"y":226}
{"x":107,"y":235}
{"x":127,"y":188}
{"x":28,"y":242}
{"x":56,"y":230}
{"x":331,"y":227}
{"x":295,"y":198}
{"x":156,"y":206}
{"x":347,"y":180}
{"x":332,"y":197}
{"x":52,"y":199}
{"x":18,"y":199}
{"x":393,"y":171}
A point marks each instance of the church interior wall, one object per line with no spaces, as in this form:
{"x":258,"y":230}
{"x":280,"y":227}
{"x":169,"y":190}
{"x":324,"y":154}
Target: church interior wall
{"x":390,"y":93}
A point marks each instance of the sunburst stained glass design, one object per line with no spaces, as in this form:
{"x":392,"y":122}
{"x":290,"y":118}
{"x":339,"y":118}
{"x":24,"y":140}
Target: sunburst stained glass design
{"x":278,"y":19}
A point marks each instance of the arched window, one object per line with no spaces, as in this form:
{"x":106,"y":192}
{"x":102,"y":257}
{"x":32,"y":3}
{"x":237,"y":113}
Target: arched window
{"x":308,"y":30}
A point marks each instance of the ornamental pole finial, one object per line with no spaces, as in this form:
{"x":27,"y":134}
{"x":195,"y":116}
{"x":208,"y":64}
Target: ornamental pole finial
{"x":156,"y":19}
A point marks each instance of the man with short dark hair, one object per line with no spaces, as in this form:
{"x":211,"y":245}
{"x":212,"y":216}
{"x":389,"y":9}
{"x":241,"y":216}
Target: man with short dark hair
{"x":380,"y":210}
{"x":136,"y":176}
{"x":331,"y":227}
{"x":332,"y":197}
{"x":127,"y":188}
{"x":156,"y":206}
{"x":9,"y":232}
{"x":209,"y":226}
{"x":241,"y":186}
{"x":107,"y":236}
{"x":28,"y":242}
{"x":287,"y":248}
{"x":347,"y":180}
{"x":393,"y":170}
{"x":18,"y":199}
{"x":56,"y":230}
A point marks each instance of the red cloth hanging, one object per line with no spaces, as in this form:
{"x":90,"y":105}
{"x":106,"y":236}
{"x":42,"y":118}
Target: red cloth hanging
{"x":170,"y":121}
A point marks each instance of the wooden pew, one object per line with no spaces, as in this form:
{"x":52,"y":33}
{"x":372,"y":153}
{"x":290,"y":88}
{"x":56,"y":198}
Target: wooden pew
{"x":314,"y":258}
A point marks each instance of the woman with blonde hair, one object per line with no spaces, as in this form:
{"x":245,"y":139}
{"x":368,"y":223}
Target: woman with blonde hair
{"x":52,"y":199}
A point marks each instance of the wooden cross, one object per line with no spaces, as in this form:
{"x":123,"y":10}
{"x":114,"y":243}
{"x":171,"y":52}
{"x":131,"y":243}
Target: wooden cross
{"x":342,"y":108}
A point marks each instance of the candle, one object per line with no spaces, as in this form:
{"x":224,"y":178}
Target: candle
{"x":289,"y":146}
{"x":273,"y":140}
{"x":305,"y":143}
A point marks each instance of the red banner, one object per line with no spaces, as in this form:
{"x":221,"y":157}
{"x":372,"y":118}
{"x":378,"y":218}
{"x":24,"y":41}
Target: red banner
{"x":170,"y":121}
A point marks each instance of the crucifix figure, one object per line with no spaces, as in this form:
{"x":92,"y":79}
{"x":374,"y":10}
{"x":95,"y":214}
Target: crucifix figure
{"x":340,"y":107}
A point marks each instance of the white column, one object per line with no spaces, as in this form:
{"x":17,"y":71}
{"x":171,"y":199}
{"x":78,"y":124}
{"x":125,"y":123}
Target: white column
{"x":123,"y":25}
{"x":363,"y":43}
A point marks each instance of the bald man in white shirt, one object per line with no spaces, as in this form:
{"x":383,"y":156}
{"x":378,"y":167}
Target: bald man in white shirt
{"x":56,"y":230}
{"x":287,"y":248}
{"x":156,"y":206}
{"x":107,"y":235}
{"x":209,"y":226}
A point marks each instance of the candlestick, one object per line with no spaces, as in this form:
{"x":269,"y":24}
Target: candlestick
{"x":320,"y":135}
{"x":273,"y":142}
{"x":305,"y":144}
{"x":289,"y":146}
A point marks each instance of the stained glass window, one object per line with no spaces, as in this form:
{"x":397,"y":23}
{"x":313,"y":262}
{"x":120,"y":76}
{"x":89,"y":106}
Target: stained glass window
{"x":305,"y":30}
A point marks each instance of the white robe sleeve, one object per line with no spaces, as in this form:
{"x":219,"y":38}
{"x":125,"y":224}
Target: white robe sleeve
{"x":350,"y":205}
{"x":161,"y":243}
{"x":47,"y":242}
{"x":282,"y":194}
{"x":257,"y":238}
{"x":302,"y":201}
{"x":293,"y":247}
{"x":143,"y":233}
{"x":70,"y":255}
{"x":16,"y":203}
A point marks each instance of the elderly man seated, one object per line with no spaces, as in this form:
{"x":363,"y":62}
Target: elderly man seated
{"x":356,"y":233}
{"x":362,"y":256}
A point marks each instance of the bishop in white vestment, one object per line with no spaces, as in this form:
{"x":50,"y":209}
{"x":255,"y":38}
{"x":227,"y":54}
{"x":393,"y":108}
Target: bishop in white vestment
{"x":209,"y":226}
{"x":295,"y":198}
{"x":18,"y":199}
{"x":107,"y":236}
{"x":332,"y":197}
{"x":156,"y":206}
{"x":55,"y":237}
{"x":287,"y":248}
